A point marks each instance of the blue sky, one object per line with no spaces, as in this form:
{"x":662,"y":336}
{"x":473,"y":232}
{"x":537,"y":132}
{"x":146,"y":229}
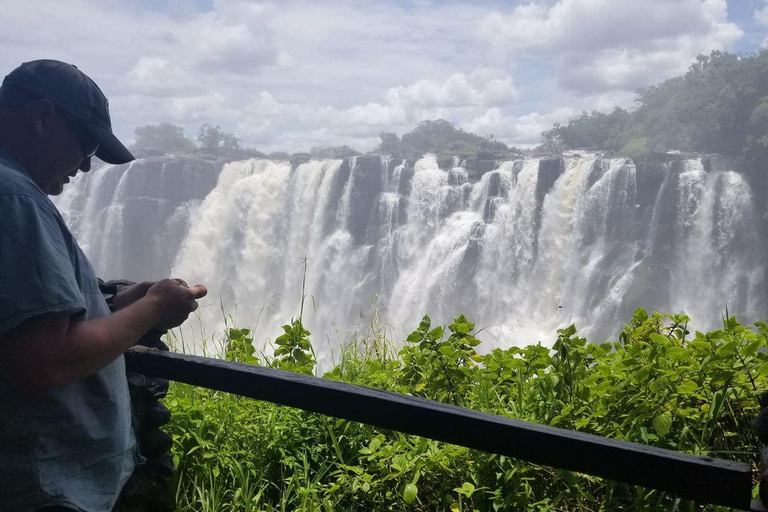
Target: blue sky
{"x":298,"y":73}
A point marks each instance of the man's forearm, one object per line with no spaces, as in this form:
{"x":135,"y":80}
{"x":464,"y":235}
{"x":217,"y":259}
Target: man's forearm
{"x":55,"y":351}
{"x":93,"y":344}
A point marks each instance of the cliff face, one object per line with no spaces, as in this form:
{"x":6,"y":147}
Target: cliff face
{"x":131,"y":219}
{"x":538,"y":243}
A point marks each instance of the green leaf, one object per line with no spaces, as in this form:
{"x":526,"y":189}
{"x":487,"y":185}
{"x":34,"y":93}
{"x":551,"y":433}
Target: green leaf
{"x":751,"y":349}
{"x":662,"y":423}
{"x":687,"y":387}
{"x":436,"y":333}
{"x":414,"y":337}
{"x":410,"y":492}
{"x":642,"y":374}
{"x":763,"y":369}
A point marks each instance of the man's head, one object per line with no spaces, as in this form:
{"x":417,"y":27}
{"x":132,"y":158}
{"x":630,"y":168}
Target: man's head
{"x":53,"y":119}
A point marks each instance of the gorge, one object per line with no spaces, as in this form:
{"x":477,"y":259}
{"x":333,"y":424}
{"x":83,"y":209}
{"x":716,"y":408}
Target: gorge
{"x":522,"y":247}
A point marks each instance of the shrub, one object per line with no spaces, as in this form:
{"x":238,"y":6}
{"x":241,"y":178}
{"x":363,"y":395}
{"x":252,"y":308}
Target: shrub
{"x":658,"y":385}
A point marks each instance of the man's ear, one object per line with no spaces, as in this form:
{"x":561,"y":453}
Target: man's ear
{"x":43,"y":115}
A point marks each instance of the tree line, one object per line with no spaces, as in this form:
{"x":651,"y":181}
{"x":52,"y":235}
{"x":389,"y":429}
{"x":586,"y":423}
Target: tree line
{"x":719,"y":106}
{"x":169,"y":137}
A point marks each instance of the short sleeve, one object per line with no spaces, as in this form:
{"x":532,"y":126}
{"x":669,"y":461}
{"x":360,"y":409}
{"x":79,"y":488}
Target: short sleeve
{"x":37,"y":269}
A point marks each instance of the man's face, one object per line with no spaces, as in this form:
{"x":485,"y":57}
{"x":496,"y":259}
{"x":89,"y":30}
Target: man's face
{"x":62,"y":155}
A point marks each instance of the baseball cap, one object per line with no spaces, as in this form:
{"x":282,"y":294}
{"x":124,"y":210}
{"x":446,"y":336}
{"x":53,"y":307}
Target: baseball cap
{"x":73,"y":91}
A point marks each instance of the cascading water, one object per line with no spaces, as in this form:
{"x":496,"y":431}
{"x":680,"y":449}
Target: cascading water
{"x":526,"y":248}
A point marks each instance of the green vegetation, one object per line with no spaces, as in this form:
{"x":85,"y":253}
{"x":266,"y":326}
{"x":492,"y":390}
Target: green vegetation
{"x":163,"y":137}
{"x":169,"y":138}
{"x":334,"y":152}
{"x":443,"y":138}
{"x":658,"y":385}
{"x":212,"y":138}
{"x":720,"y":105}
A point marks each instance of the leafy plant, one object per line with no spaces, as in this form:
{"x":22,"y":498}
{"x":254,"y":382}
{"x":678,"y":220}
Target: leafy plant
{"x":658,"y":384}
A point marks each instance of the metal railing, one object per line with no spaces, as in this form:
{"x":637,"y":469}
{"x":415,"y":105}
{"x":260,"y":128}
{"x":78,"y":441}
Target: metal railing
{"x":698,"y":478}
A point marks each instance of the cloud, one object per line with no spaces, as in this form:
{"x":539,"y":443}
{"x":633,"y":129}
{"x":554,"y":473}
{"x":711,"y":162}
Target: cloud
{"x":614,"y":44}
{"x":298,"y":73}
{"x":457,"y":96}
{"x":761,"y":17}
{"x":484,"y":86}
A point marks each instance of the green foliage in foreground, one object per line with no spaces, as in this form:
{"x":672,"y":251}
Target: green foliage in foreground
{"x":657,"y":385}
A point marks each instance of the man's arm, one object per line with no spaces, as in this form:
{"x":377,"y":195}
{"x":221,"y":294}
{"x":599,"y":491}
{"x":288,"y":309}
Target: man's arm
{"x":51,"y":351}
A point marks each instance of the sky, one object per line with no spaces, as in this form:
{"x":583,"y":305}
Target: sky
{"x":295,"y":74}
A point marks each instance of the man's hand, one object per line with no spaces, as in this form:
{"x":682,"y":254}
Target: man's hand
{"x":127,"y":297}
{"x":50,"y":351}
{"x":175,"y":301}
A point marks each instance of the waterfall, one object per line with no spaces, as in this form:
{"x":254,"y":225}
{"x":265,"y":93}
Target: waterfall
{"x":528,"y":247}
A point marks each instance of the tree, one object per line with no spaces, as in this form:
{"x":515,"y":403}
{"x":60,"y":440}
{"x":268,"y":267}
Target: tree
{"x":437,"y":136}
{"x":390,"y":144}
{"x":212,"y":138}
{"x":334,"y":152}
{"x":163,"y":136}
{"x":719,"y":105}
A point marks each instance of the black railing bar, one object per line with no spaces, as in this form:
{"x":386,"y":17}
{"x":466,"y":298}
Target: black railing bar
{"x":698,"y":478}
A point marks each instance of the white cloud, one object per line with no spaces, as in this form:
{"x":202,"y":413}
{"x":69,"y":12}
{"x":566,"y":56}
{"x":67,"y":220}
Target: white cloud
{"x":484,"y":86}
{"x":614,"y":44}
{"x":761,"y":16}
{"x":299,"y":73}
{"x":521,"y":131}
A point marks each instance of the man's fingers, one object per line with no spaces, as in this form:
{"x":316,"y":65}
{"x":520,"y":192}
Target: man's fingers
{"x":199,"y":291}
{"x":182,"y":282}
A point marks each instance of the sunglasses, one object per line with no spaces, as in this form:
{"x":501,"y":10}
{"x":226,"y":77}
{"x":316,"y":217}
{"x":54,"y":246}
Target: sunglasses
{"x":88,"y":144}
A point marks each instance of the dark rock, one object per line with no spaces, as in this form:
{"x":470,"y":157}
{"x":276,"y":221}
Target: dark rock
{"x":163,"y":465}
{"x":366,"y":186}
{"x":763,"y":489}
{"x":406,"y":180}
{"x":550,"y":170}
{"x":477,"y":168}
{"x":147,"y":387}
{"x":760,"y":426}
{"x":486,"y":155}
{"x":445,"y":162}
{"x":157,"y":443}
{"x":494,"y":185}
{"x":299,"y":158}
{"x":337,"y":192}
{"x":489,"y":209}
{"x":146,"y":491}
{"x":157,"y":415}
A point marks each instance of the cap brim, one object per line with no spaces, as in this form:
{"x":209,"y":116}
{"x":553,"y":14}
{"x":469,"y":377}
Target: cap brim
{"x":110,"y":149}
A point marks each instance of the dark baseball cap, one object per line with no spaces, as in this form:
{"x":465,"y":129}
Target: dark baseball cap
{"x":72,"y":90}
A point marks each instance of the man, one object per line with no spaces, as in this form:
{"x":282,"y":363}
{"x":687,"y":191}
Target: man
{"x":66,"y":441}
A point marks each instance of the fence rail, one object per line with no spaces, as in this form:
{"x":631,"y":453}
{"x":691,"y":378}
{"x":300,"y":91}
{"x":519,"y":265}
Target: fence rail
{"x":697,"y":478}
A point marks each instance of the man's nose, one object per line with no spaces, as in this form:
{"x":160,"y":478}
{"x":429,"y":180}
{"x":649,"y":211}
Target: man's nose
{"x":85,"y":165}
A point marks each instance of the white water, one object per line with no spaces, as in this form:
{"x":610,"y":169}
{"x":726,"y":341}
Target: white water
{"x":516,"y":250}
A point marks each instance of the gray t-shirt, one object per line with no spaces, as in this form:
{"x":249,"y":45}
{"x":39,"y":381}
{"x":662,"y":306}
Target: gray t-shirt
{"x":74,"y":446}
